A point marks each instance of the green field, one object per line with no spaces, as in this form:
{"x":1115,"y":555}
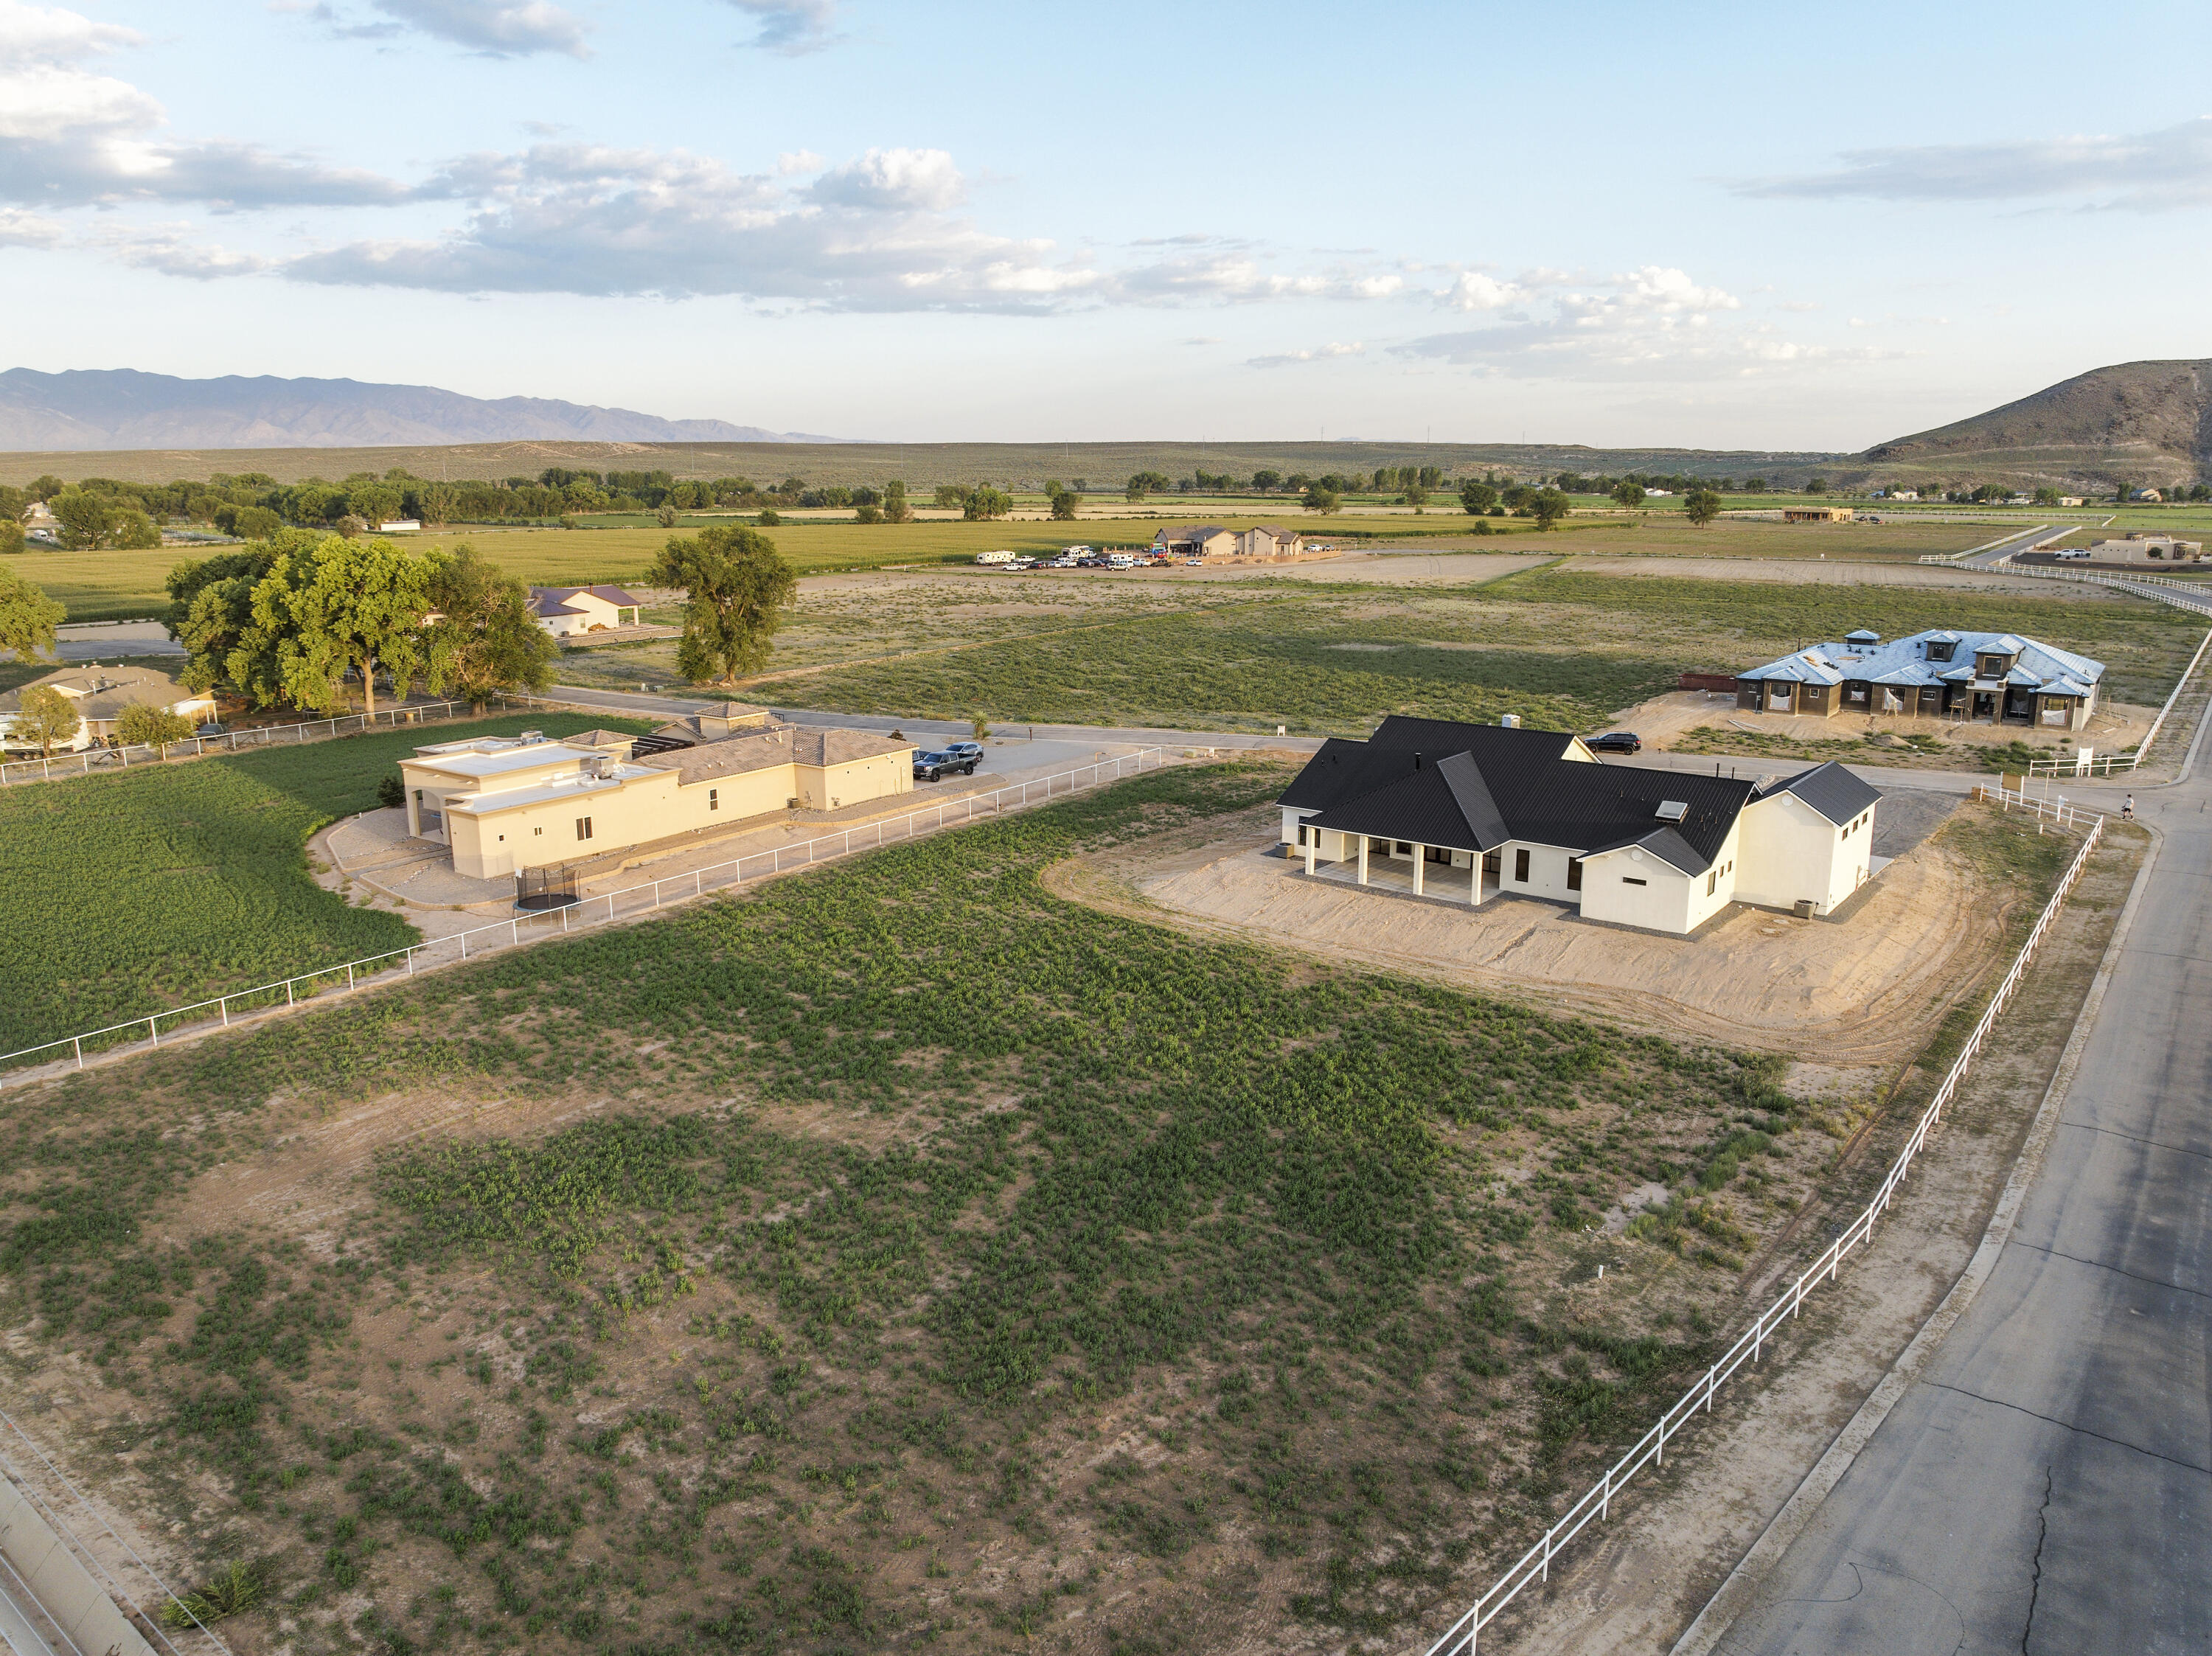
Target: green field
{"x":898,"y":1254}
{"x":158,"y":886}
{"x":127,"y":585}
{"x":1562,"y":650}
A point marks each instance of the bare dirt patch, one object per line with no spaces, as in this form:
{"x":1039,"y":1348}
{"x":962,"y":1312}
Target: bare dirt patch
{"x":1828,"y":572}
{"x":1866,"y":990}
{"x":1667,"y":721}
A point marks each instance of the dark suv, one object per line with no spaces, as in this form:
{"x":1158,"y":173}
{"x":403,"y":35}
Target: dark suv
{"x":1616,"y":742}
{"x":931,"y":767}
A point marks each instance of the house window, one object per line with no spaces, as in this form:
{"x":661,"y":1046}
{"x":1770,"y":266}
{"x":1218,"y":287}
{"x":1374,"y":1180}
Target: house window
{"x":1521,"y":864}
{"x":1630,"y":879}
{"x":1574,"y":874}
{"x":714,"y":798}
{"x":1938,"y":653}
{"x":537,"y":830}
{"x":583,"y":828}
{"x":1712,"y":882}
{"x":1301,"y":833}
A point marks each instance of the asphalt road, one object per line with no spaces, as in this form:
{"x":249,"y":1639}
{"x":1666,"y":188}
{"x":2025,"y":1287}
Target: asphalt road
{"x":2046,"y":1486}
{"x":2028,"y":541}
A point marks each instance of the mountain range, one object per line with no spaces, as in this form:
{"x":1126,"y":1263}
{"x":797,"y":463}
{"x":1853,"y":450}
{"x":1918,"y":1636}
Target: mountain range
{"x":95,"y":408}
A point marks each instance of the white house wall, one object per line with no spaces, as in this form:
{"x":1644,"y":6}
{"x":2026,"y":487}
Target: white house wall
{"x":1791,"y":853}
{"x":1660,"y":903}
{"x":1547,"y":872}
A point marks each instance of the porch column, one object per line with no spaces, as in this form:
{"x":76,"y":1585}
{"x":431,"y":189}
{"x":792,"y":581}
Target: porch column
{"x":1474,"y":883}
{"x":1420,"y":860}
{"x":1313,"y":836}
{"x":1363,"y":859}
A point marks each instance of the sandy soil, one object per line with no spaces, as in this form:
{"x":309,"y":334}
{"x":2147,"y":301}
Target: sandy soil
{"x":1837,"y":572}
{"x":1665,"y":719}
{"x":1865,"y":989}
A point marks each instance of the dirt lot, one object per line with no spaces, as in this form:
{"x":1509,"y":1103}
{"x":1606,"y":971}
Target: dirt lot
{"x":1867,"y":989}
{"x":1830,"y":571}
{"x":1666,"y":722}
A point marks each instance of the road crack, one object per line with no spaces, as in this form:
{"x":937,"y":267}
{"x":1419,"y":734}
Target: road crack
{"x":2035,"y":1574}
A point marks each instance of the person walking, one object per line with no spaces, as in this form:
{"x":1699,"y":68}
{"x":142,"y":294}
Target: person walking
{"x":2128,"y":810}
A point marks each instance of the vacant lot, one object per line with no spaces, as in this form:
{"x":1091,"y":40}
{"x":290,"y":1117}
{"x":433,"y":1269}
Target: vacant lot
{"x":1316,"y":655}
{"x":159,"y":887}
{"x":111,"y":586}
{"x":898,"y":1253}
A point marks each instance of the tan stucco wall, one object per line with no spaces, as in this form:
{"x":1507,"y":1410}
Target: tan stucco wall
{"x":1661,"y":903}
{"x":625,"y":813}
{"x":1790,"y":852}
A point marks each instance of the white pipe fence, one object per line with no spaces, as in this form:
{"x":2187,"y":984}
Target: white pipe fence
{"x":98,"y":760}
{"x":100,"y":1578}
{"x":2057,"y":809}
{"x":1535,"y":1566}
{"x":596,"y":910}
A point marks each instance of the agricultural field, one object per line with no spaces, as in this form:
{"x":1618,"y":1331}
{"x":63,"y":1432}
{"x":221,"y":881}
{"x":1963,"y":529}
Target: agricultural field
{"x":1563,"y":649}
{"x":895,"y":1253}
{"x":127,"y":585}
{"x":161,"y":886}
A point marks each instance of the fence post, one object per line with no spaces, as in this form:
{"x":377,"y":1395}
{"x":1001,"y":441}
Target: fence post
{"x":289,"y":998}
{"x":153,"y":1032}
{"x":225,"y":1004}
{"x":77,"y":1041}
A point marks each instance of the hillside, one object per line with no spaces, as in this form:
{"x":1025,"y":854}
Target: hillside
{"x":109,"y":409}
{"x":922,"y":465}
{"x":2142,"y":423}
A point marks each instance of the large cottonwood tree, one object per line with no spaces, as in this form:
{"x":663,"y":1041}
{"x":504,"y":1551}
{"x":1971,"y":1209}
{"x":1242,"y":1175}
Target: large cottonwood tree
{"x":738,"y":586}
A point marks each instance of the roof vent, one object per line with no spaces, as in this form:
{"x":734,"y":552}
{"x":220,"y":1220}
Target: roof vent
{"x":1671,"y":811}
{"x":1863,"y":636}
{"x":1510,"y":721}
{"x":533,"y":735}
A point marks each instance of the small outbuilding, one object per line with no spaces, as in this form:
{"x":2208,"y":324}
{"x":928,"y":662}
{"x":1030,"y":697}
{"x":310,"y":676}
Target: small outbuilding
{"x":568,"y":611}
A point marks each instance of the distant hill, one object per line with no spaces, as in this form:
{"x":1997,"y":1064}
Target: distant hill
{"x":2142,"y":423}
{"x":108,"y":408}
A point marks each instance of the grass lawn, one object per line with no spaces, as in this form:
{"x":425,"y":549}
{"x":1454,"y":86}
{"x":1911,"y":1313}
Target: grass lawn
{"x":157,"y":887}
{"x":895,"y":1253}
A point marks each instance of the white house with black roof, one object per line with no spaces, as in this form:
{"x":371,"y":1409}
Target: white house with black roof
{"x":1465,"y":813}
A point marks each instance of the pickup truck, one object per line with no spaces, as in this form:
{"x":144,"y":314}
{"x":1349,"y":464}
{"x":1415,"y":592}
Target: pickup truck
{"x":931,"y":767}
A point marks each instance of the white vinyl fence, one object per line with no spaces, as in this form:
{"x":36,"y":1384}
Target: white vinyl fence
{"x":596,"y":910}
{"x":48,"y":1563}
{"x":99,"y":760}
{"x":1535,"y":1566}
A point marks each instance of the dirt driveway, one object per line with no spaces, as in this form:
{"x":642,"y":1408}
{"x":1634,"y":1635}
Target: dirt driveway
{"x":1867,"y":989}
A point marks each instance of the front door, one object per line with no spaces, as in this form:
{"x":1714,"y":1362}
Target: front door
{"x":1985,"y":705}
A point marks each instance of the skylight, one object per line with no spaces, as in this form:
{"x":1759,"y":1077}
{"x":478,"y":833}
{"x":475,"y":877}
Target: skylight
{"x":1672,"y":810}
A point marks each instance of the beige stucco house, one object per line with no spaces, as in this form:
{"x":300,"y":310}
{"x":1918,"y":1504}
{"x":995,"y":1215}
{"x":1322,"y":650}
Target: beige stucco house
{"x":1469,"y":813}
{"x":568,"y":611}
{"x":502,"y":803}
{"x":1266,"y":543}
{"x":98,"y":694}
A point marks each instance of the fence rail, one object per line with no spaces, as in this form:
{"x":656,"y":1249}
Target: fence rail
{"x":134,"y":1605}
{"x":97,"y":760}
{"x":2057,"y":810}
{"x":596,"y":910}
{"x":1595,"y":1504}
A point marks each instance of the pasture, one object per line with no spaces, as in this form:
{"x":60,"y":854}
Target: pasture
{"x":111,"y":585}
{"x":164,"y":884}
{"x":894,"y":1254}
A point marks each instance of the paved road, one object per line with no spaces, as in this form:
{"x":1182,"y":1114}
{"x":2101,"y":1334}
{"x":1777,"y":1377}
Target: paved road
{"x":2027,"y":542}
{"x":2046,"y":1486}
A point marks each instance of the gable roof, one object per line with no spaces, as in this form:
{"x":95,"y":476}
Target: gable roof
{"x":1191,"y":532}
{"x":1856,"y":659}
{"x":99,"y":693}
{"x":1473,"y":787}
{"x":1831,"y":790}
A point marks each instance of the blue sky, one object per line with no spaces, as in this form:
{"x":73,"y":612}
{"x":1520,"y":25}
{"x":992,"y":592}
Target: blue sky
{"x":1708,"y":224}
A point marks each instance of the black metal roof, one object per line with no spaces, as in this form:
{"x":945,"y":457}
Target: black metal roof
{"x":1483,"y":786}
{"x":1831,"y":790}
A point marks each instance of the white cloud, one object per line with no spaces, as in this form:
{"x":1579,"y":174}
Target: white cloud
{"x":21,"y":229}
{"x":173,"y":251}
{"x":793,"y":162}
{"x":1320,"y":353}
{"x":496,"y":28}
{"x":2146,"y":172}
{"x":1653,"y":320}
{"x":1471,"y":290}
{"x":70,"y":137}
{"x":791,"y":27}
{"x":894,"y":180}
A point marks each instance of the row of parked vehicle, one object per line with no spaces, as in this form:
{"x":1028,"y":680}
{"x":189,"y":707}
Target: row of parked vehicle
{"x":954,"y":758}
{"x":1078,"y":557}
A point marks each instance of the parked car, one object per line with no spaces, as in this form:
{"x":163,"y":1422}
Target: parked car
{"x":1617,"y":741}
{"x":935,"y":766}
{"x":965,"y":750}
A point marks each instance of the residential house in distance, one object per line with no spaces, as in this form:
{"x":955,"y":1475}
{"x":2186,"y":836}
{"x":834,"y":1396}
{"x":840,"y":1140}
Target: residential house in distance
{"x":502,"y":805}
{"x":568,"y":611}
{"x":98,"y":694}
{"x":2140,"y":546}
{"x":1467,"y":813}
{"x":1266,"y":544}
{"x":1997,"y":677}
{"x":399,"y":526}
{"x":1818,"y":514}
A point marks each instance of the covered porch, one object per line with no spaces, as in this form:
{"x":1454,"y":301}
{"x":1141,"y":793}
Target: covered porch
{"x":1403,"y":868}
